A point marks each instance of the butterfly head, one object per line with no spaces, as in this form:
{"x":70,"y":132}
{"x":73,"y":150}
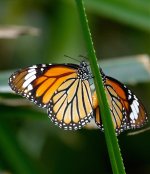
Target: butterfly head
{"x":83,"y":71}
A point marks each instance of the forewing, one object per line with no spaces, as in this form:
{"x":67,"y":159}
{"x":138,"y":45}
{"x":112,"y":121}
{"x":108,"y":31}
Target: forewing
{"x":39,"y":82}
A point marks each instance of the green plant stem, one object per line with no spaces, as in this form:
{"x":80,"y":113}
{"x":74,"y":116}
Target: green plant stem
{"x":111,"y":139}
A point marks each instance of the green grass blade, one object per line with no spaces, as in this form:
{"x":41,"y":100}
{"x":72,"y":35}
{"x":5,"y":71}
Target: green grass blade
{"x":111,"y":140}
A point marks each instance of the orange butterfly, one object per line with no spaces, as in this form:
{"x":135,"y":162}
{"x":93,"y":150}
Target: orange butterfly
{"x":64,"y":89}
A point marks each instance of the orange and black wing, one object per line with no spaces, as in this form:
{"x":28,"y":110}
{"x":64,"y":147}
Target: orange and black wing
{"x":126,"y":109}
{"x":63,"y":89}
{"x":39,"y":82}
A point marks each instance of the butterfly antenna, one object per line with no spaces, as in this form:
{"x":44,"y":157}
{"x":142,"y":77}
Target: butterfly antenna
{"x":71,"y":58}
{"x":84,"y":57}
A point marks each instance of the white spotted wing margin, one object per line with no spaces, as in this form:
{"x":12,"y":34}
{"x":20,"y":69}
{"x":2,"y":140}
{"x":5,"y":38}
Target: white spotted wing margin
{"x":71,"y":106}
{"x":127,"y":111}
{"x":134,"y":114}
{"x":137,"y":112}
{"x":22,"y":81}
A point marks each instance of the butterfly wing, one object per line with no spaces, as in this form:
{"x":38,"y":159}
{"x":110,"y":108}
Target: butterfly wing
{"x":126,"y":109}
{"x":71,"y":105}
{"x":39,"y":82}
{"x":63,"y":89}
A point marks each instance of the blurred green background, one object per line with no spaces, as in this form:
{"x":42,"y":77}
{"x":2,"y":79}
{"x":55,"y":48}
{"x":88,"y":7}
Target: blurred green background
{"x":33,"y":32}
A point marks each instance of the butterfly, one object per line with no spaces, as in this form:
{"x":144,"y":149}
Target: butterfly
{"x":126,"y":109}
{"x":63,"y":89}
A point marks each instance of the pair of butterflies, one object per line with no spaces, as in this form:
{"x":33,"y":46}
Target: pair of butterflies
{"x":64,"y":89}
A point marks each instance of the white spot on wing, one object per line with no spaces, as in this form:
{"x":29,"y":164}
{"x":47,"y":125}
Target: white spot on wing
{"x":134,"y":111}
{"x":136,"y":104}
{"x":135,"y":97}
{"x":30,"y":74}
{"x":26,"y":83}
{"x":25,"y":91}
{"x":132,"y":116}
{"x":129,"y":97}
{"x":34,"y":66}
{"x":30,"y":87}
{"x":31,"y":69}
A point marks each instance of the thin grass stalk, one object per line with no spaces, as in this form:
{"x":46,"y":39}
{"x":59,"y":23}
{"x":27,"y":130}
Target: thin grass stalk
{"x":111,"y":139}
